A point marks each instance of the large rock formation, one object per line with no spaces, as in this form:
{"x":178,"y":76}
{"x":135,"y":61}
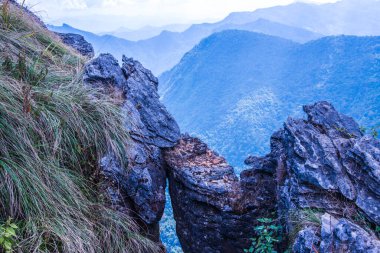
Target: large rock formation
{"x":137,"y":187}
{"x":318,"y":167}
{"x":214,"y":211}
{"x":321,"y":177}
{"x":77,"y":42}
{"x":328,"y":166}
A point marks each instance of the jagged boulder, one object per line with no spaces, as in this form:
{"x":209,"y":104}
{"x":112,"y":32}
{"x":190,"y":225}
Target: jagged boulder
{"x":306,"y":241}
{"x":214,"y":211}
{"x":77,"y":42}
{"x":335,"y":235}
{"x":345,"y":236}
{"x":329,"y":164}
{"x":159,"y":127}
{"x":325,"y":164}
{"x":104,"y":71}
{"x":138,"y":186}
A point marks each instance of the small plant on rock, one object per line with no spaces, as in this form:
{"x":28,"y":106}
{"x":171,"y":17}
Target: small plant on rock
{"x":268,"y":234}
{"x":7,"y":235}
{"x":374,"y":133}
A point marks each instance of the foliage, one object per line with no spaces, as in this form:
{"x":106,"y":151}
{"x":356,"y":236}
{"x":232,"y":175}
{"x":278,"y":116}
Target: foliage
{"x":53,"y":132}
{"x":374,"y":131}
{"x":268,"y":234}
{"x":7,"y":235}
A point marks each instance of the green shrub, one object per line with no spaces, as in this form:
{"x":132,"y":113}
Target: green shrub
{"x":8,"y":235}
{"x":374,"y":131}
{"x":268,"y":235}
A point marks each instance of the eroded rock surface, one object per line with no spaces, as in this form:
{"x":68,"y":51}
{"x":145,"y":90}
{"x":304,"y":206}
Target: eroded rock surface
{"x":345,"y":236}
{"x":325,"y":164}
{"x":159,"y":128}
{"x":138,"y":187}
{"x":214,"y":211}
{"x":318,"y":167}
{"x":77,"y":42}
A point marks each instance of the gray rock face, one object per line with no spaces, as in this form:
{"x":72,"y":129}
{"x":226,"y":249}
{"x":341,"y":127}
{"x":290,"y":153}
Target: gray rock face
{"x":104,"y":71}
{"x":160,"y":128}
{"x":329,"y":163}
{"x":365,"y":155}
{"x":344,"y":236}
{"x":214,"y":211}
{"x":77,"y":42}
{"x":306,"y":241}
{"x":139,"y":186}
{"x":325,"y":164}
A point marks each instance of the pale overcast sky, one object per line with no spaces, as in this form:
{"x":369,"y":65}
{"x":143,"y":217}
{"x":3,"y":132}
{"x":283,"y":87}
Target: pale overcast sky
{"x":108,"y":15}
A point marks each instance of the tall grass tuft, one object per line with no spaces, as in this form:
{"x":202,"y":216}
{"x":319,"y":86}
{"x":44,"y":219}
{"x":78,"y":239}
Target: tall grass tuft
{"x":53,"y":131}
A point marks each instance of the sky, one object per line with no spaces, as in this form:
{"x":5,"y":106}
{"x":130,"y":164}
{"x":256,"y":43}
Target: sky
{"x":109,"y":15}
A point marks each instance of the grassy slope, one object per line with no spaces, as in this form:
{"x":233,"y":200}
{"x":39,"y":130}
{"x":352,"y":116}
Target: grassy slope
{"x":53,"y":130}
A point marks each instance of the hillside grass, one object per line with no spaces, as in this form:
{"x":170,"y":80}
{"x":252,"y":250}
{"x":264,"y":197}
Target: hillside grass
{"x":53,"y":131}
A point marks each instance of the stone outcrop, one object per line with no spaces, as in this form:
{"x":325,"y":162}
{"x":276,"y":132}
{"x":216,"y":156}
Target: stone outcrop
{"x":345,"y":236}
{"x":158,"y":127}
{"x":318,"y":167}
{"x":324,"y":164}
{"x":138,"y":187}
{"x":77,"y":42}
{"x":214,"y":211}
{"x":321,"y":175}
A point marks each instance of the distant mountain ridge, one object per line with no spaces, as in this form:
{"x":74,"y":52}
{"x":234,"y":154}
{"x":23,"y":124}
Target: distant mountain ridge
{"x":236,"y":87}
{"x":350,"y":17}
{"x":145,"y":32}
{"x":162,"y":52}
{"x":300,"y":22}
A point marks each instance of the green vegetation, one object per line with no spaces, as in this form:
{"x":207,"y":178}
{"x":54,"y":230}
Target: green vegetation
{"x":53,"y":131}
{"x":374,"y":131}
{"x":268,"y":235}
{"x":7,"y":235}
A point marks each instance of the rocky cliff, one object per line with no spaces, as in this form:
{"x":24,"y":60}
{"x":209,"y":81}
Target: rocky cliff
{"x":77,"y":42}
{"x":137,"y":186}
{"x":320,"y":182}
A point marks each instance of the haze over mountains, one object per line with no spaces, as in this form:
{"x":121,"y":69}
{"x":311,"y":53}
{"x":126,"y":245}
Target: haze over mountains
{"x":145,"y":32}
{"x":162,"y":52}
{"x":259,"y":80}
{"x":351,"y":17}
{"x":300,"y":22}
